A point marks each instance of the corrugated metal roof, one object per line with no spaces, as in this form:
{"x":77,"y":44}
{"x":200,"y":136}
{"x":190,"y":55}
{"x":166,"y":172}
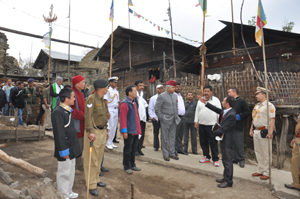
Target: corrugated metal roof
{"x":63,"y":56}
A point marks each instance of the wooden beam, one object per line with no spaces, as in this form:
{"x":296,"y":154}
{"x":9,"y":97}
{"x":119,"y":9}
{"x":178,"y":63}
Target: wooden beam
{"x":41,"y":37}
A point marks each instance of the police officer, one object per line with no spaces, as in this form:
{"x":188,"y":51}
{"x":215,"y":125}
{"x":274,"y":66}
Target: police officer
{"x":259,"y":123}
{"x":112,"y":98}
{"x":95,"y":130}
{"x":295,"y":166}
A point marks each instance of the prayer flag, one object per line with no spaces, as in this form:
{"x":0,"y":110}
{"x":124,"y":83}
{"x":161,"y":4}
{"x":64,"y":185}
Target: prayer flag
{"x":135,"y":14}
{"x":20,"y":60}
{"x":203,"y":4}
{"x":261,"y":20}
{"x":47,"y":38}
{"x":130,"y":3}
{"x":111,"y":15}
{"x":131,"y":11}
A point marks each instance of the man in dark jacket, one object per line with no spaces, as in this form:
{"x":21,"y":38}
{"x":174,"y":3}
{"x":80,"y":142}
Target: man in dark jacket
{"x":66,"y":143}
{"x":31,"y":94}
{"x":18,"y":100}
{"x":130,"y":128}
{"x":242,"y":112}
{"x":3,"y":100}
{"x":227,"y":122}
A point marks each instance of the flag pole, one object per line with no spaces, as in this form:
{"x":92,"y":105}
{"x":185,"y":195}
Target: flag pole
{"x":267,"y":94}
{"x":129,"y":40}
{"x":173,"y":53}
{"x":69,"y":42}
{"x":111,"y":47}
{"x":203,"y":56}
{"x":50,"y":33}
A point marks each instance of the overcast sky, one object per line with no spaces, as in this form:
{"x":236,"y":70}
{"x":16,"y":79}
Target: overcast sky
{"x":90,"y":24}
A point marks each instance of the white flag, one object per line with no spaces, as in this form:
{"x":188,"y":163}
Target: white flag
{"x":46,"y":40}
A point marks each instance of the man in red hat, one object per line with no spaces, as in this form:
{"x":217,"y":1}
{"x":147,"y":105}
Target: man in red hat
{"x":78,"y":114}
{"x":166,"y":109}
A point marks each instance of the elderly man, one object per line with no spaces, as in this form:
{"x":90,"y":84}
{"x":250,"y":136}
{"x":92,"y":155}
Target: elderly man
{"x":130,"y":128}
{"x":31,"y":93}
{"x":95,"y":126}
{"x":259,"y":123}
{"x":142,"y":105}
{"x":7,"y":88}
{"x":54,"y":91}
{"x":66,"y":143}
{"x":204,"y":120}
{"x":78,"y":114}
{"x":166,"y":109}
{"x":154,"y":118}
{"x":242,"y":112}
{"x":112,"y":99}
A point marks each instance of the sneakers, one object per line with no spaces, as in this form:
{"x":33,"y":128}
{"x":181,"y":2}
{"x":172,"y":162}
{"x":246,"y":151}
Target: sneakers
{"x":114,"y":146}
{"x":216,"y":163}
{"x":129,"y":171}
{"x":109,"y":147}
{"x":73,"y":195}
{"x":135,"y":169}
{"x":204,"y":160}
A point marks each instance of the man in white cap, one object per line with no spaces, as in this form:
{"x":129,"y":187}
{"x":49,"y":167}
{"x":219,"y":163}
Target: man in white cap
{"x":113,"y":101}
{"x":153,"y":116}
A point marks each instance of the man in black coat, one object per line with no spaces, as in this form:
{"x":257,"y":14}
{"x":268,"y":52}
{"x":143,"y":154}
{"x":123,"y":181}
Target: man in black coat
{"x":66,"y":143}
{"x":18,"y":100}
{"x":3,"y":99}
{"x":227,"y":122}
{"x":242,"y":112}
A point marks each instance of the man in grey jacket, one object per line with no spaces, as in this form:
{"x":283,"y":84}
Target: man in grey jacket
{"x":166,"y":109}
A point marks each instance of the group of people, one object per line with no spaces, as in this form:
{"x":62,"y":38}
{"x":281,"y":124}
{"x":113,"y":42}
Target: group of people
{"x":85,"y":121}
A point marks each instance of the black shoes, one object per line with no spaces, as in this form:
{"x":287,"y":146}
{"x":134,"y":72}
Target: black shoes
{"x":101,"y":184}
{"x":166,"y":158}
{"x":115,"y":141}
{"x":174,"y":157}
{"x":242,"y":164}
{"x":220,"y":180}
{"x":101,"y":174}
{"x":143,"y":147}
{"x":155,"y":149}
{"x":183,"y":152}
{"x":94,"y":192}
{"x":224,"y":185}
{"x":235,"y":162}
{"x":195,"y":153}
{"x":141,"y":153}
{"x":104,"y":169}
{"x":290,"y":187}
{"x":137,"y":154}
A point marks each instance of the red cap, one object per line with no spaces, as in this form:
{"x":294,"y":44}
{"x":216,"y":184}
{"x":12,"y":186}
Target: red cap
{"x":77,"y":79}
{"x":171,"y":82}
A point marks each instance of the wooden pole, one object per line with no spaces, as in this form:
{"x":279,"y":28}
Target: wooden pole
{"x":233,"y":39}
{"x":132,"y":190}
{"x":266,"y":86}
{"x":69,"y":42}
{"x":129,"y":40}
{"x":50,"y":33}
{"x":164,"y":63}
{"x":111,"y":47}
{"x":203,"y":57}
{"x":173,"y":53}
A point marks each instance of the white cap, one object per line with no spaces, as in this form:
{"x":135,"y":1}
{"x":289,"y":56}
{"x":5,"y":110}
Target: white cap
{"x":115,"y":79}
{"x":159,"y":85}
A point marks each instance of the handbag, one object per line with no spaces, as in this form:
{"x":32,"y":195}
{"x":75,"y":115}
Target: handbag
{"x":265,"y":132}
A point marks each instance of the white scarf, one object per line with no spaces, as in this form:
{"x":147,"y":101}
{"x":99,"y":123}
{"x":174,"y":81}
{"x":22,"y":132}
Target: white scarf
{"x":142,"y":106}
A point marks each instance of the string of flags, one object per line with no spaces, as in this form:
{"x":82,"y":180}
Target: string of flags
{"x":160,"y":28}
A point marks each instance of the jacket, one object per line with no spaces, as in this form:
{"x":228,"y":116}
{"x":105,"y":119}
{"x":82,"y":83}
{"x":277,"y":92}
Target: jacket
{"x":3,"y":99}
{"x":17,"y":98}
{"x":242,"y":110}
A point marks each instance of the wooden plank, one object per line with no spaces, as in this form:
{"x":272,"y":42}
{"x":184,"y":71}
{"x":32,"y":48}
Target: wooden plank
{"x":6,"y":179}
{"x":9,"y":120}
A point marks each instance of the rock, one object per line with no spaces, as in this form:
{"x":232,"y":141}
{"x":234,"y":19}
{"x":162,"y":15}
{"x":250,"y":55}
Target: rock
{"x":21,"y":175}
{"x":47,"y":181}
{"x":34,"y":193}
{"x":39,"y":184}
{"x":55,"y":185}
{"x":25,"y":197}
{"x":9,"y":173}
{"x":25,"y":191}
{"x":14,"y":185}
{"x":18,"y":192}
{"x":7,"y":193}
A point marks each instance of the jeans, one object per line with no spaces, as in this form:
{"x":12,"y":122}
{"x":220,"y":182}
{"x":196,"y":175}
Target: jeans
{"x":20,"y":113}
{"x":6,"y":107}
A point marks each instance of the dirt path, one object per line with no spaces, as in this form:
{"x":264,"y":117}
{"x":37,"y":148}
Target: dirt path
{"x":153,"y":182}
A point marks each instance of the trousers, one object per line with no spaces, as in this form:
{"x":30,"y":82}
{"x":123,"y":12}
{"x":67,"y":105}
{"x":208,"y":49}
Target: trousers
{"x":156,"y":127}
{"x":141,"y":140}
{"x":97,"y":154}
{"x":262,"y":153}
{"x":295,"y":166}
{"x":167,"y":138}
{"x":65,"y":176}
{"x":238,"y":146}
{"x":207,"y":139}
{"x":187,"y":128}
{"x":179,"y":137}
{"x":227,"y":153}
{"x":112,"y":125}
{"x":79,"y":162}
{"x":130,"y":145}
{"x":31,"y":112}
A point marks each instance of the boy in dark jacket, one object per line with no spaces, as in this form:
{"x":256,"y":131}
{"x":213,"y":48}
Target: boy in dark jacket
{"x":66,"y":143}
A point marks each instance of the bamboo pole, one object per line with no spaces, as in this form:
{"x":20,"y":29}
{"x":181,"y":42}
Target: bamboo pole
{"x":69,"y":42}
{"x":129,"y":41}
{"x":50,"y":33}
{"x":173,"y":53}
{"x":267,"y":94}
{"x":111,"y":47}
{"x":203,"y":57}
{"x":233,"y":39}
